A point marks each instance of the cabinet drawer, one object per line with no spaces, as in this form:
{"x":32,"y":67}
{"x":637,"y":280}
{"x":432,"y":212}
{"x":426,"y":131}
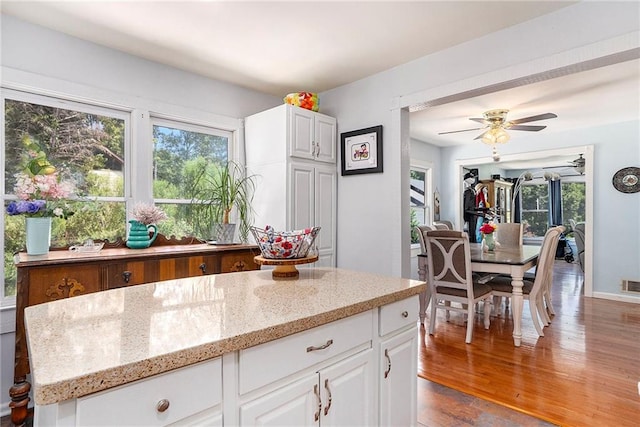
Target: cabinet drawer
{"x":188,"y":390}
{"x":53,"y":283}
{"x":192,"y":266}
{"x":398,"y":314}
{"x":131,"y":273}
{"x":240,"y":261}
{"x":265,"y":363}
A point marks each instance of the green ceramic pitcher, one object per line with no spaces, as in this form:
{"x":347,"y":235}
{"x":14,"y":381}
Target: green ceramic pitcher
{"x":139,"y":235}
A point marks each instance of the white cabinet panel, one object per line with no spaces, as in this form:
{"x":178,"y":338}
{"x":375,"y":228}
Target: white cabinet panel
{"x":325,"y":138}
{"x":293,"y":405}
{"x":348,"y":393}
{"x":186,"y":391}
{"x":302,"y":200}
{"x":302,"y":133}
{"x":268,"y":362}
{"x":398,"y":379}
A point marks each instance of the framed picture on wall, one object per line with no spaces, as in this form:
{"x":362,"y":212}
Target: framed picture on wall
{"x":361,"y":151}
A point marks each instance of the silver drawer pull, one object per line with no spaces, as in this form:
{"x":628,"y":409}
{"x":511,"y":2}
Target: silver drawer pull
{"x":388,"y":370}
{"x":405,"y":314}
{"x":162,"y":405}
{"x":322,"y":347}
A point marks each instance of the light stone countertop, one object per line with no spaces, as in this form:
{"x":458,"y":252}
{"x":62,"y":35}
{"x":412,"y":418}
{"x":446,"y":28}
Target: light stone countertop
{"x":90,"y":343}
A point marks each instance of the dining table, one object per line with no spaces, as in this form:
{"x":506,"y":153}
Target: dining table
{"x":512,"y":261}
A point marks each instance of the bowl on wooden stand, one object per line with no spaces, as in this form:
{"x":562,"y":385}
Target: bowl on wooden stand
{"x":285,"y":250}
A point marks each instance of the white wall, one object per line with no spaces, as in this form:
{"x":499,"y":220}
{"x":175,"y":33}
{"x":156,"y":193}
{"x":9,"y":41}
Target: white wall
{"x":375,"y":219}
{"x":33,"y":56}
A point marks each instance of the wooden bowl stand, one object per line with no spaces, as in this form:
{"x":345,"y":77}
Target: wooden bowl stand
{"x":285,"y":268}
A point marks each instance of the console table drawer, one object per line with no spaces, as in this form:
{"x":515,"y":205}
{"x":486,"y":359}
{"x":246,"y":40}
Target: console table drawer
{"x":53,"y":283}
{"x":299,"y":351}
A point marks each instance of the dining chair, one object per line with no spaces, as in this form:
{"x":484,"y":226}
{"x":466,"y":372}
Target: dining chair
{"x":533,"y":291}
{"x":425,"y":296}
{"x":509,"y":234}
{"x":547,"y":303}
{"x":442,"y":225}
{"x":449,"y":224}
{"x":450,"y":278}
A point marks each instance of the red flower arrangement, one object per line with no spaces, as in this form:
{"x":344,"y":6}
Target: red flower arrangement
{"x":488,"y":228}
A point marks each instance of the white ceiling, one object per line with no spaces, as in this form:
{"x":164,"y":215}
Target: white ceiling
{"x":282,"y":47}
{"x":279,"y":47}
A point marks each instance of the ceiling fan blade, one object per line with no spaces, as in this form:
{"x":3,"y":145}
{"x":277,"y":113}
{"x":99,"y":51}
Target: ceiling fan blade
{"x":456,"y":131}
{"x":480,"y":136}
{"x":526,"y":127}
{"x":534,"y":118}
{"x":478,"y":119}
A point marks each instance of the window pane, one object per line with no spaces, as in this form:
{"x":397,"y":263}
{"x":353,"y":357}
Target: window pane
{"x":535,"y":207}
{"x":573,"y":201}
{"x":177,"y":156}
{"x":418,"y":196}
{"x":184,"y":219}
{"x":87,"y":149}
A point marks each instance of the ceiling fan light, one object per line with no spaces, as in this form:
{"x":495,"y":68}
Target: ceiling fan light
{"x":495,"y":135}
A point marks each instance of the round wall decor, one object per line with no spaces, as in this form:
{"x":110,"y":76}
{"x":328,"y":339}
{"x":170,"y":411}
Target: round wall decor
{"x":627,"y":180}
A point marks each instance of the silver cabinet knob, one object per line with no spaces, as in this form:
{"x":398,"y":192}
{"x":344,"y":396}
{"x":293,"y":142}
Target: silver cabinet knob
{"x":162,"y":405}
{"x":405,"y":314}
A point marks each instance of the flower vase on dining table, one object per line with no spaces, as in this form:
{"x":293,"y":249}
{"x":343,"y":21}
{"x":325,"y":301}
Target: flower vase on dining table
{"x":488,"y":242}
{"x":38,"y":231}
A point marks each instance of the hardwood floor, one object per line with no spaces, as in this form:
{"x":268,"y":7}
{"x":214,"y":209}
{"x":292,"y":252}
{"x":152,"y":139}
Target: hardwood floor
{"x":583,"y":372}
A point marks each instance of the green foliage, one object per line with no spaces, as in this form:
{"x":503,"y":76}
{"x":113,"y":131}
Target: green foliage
{"x":217,"y":191}
{"x":414,"y":224}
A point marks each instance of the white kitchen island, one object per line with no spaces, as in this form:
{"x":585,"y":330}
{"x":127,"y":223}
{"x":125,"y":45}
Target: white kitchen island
{"x":335,"y":347}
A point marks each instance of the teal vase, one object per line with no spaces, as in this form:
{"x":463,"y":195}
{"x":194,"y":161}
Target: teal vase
{"x":489,"y":242}
{"x":38,"y":235}
{"x":139,"y":235}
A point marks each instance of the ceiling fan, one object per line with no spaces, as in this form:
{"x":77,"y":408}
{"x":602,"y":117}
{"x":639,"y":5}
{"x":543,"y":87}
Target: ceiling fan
{"x":578,"y":164}
{"x":495,"y":121}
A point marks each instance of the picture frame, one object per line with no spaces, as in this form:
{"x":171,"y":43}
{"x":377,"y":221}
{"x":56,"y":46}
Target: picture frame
{"x":361,"y":151}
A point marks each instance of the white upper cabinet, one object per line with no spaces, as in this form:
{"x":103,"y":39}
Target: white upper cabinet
{"x":304,"y":134}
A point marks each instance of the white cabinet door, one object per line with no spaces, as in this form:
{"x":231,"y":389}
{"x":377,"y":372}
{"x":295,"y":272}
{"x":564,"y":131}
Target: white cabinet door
{"x":297,"y":404}
{"x":302,"y":133}
{"x":398,"y":379}
{"x":302,"y":208}
{"x":347,"y":392}
{"x":312,"y":135}
{"x":325,"y":138}
{"x":325,"y":213}
{"x":313,"y":203}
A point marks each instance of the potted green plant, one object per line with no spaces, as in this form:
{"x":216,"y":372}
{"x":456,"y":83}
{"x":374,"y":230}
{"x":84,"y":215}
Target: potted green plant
{"x":217,"y":191}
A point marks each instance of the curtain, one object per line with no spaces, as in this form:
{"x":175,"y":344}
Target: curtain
{"x":516,"y":212}
{"x":555,"y":203}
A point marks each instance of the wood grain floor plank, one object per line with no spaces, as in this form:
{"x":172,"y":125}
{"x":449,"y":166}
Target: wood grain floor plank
{"x":583,"y":372}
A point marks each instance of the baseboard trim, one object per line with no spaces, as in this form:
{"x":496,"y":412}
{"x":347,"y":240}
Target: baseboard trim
{"x":617,"y":297}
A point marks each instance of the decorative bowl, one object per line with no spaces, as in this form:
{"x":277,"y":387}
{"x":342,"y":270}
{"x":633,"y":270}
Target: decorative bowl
{"x":284,"y":244}
{"x":308,"y":100}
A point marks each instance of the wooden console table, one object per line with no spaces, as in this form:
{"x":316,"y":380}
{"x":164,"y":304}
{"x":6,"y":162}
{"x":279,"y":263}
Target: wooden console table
{"x":63,"y":274}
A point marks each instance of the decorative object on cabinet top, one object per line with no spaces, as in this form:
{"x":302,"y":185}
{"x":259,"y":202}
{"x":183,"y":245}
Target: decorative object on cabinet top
{"x":88,"y":246}
{"x":361,"y":151}
{"x":307,"y":100}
